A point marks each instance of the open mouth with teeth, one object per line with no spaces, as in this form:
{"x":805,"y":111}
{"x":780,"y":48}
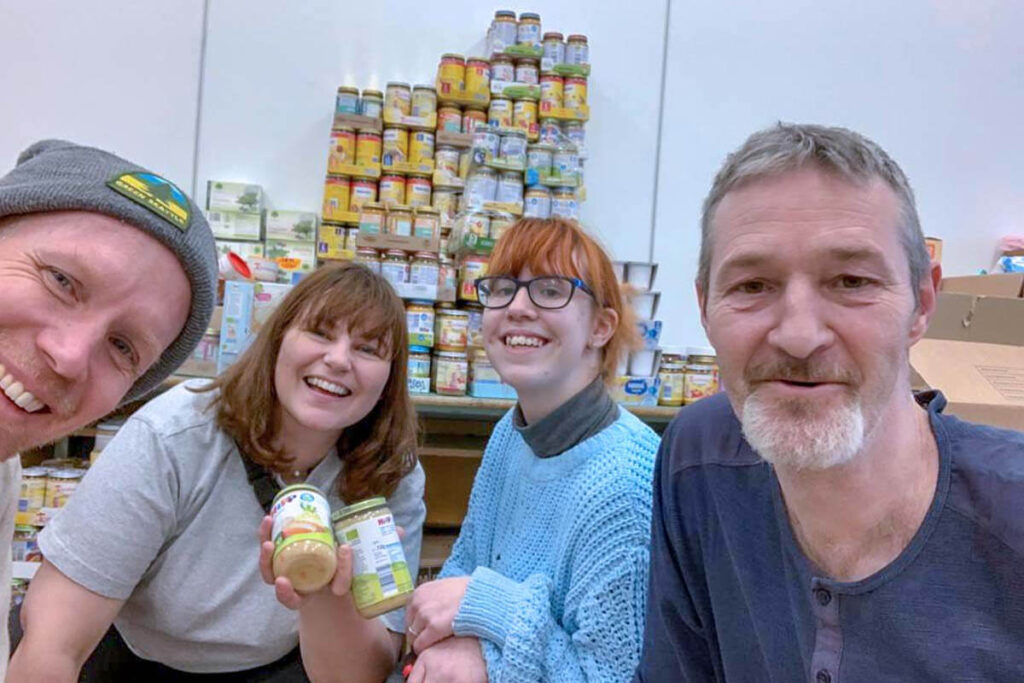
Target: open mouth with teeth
{"x":524,"y":340}
{"x":322,"y":386}
{"x":15,"y":391}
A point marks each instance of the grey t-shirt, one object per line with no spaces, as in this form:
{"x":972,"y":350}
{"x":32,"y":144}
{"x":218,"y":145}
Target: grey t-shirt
{"x":167,"y":521}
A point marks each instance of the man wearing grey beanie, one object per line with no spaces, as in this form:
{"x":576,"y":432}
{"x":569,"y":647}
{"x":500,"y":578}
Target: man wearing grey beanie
{"x":107,"y":283}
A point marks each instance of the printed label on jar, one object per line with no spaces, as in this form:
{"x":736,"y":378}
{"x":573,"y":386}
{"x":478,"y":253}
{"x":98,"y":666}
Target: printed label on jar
{"x":301,"y":515}
{"x":451,"y":376}
{"x":699,"y":385}
{"x":421,"y":331}
{"x":395,"y":273}
{"x":671,"y":388}
{"x":379,"y":569}
{"x":424,"y":274}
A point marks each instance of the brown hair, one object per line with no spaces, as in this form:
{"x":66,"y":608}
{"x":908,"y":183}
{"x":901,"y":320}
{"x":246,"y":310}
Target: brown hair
{"x":555,"y":246}
{"x":378,"y":450}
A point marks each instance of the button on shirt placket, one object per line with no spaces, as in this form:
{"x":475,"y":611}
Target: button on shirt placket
{"x":828,"y":638}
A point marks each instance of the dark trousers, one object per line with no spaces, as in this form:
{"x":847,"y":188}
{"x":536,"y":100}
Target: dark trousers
{"x":113,"y":661}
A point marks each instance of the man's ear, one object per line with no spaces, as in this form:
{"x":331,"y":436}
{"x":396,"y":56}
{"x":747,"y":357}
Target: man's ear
{"x":927,"y":294}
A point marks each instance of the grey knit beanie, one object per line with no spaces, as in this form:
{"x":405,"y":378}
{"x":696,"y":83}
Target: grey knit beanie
{"x":55,"y":175}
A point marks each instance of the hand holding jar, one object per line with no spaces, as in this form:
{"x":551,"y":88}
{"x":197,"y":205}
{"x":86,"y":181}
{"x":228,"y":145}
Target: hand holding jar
{"x":340,"y":584}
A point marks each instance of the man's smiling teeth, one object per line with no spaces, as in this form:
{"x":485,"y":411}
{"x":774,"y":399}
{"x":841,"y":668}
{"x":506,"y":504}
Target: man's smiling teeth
{"x":16,"y":392}
{"x":329,"y":387}
{"x":522,"y":340}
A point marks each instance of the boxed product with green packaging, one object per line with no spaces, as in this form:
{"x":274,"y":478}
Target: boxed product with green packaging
{"x":232,"y":225}
{"x":223,"y":195}
{"x":293,"y":226}
{"x":291,"y":257}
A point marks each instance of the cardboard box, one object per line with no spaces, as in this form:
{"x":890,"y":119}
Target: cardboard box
{"x":203,"y":361}
{"x":247,"y":250}
{"x":650,"y":333}
{"x":636,"y":391}
{"x":236,"y":321}
{"x":294,"y":226}
{"x":408,"y":243}
{"x":997,"y":284}
{"x":230,"y":196}
{"x":267,"y":296}
{"x":232,"y":225}
{"x":982,"y":382}
{"x":291,"y":257}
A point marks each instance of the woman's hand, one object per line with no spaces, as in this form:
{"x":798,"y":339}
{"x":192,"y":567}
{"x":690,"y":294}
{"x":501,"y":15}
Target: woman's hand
{"x":430,"y":614}
{"x":455,"y":660}
{"x":286,"y":594}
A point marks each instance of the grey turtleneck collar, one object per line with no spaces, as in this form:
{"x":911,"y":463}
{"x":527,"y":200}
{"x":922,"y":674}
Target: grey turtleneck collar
{"x":579,"y":418}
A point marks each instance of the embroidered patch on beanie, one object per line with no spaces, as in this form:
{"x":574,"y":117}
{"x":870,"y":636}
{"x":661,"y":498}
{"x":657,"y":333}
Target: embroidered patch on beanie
{"x":157,"y":194}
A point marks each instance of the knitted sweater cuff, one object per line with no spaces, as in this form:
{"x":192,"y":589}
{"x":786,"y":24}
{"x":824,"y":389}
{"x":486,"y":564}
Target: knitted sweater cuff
{"x":488,"y":606}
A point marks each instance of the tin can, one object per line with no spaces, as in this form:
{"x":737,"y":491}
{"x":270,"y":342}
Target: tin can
{"x":446,"y":161}
{"x":419,"y":365}
{"x":304,"y":548}
{"x":451,"y":75}
{"x":33,"y":489}
{"x":395,"y":148}
{"x":343,"y":149}
{"x":337,"y":191}
{"x":577,"y":51}
{"x":499,"y":114}
{"x":394,"y":267}
{"x":475,"y":326}
{"x":573,"y":130}
{"x":504,"y":29}
{"x":392,"y":190}
{"x":449,"y":278}
{"x":381,"y":580}
{"x":503,"y":69}
{"x":347,"y":101}
{"x":368,"y":148}
{"x":424,"y":269}
{"x":564,"y":204}
{"x":424,"y":101}
{"x":528,"y":29}
{"x":564,"y":164}
{"x":513,"y":148}
{"x":417,"y":191}
{"x":371,"y":218}
{"x":527,"y":72}
{"x":473,"y":117}
{"x":481,"y":187}
{"x":363,"y":190}
{"x":524,"y":117}
{"x":449,"y":118}
{"x":500,"y":225}
{"x":486,"y":144}
{"x":370,"y":258}
{"x":426,"y":223}
{"x":537,"y":203}
{"x":451,"y":373}
{"x":550,"y":131}
{"x":478,"y":79}
{"x":473,"y":267}
{"x":397,"y":100}
{"x":372,"y":104}
{"x":552,"y":87}
{"x":554,"y":48}
{"x":510,"y":187}
{"x":398,"y":222}
{"x":538,"y":158}
{"x":445,"y":200}
{"x":574,"y":95}
{"x":60,"y":484}
{"x":421,"y":147}
{"x":452,"y":328}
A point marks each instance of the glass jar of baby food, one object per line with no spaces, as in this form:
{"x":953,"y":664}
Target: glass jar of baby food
{"x":304,"y":549}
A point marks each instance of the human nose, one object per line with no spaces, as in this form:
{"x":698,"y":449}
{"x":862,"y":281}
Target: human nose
{"x":521,"y":305}
{"x":338,"y":354}
{"x":68,"y":346}
{"x":801,"y":329}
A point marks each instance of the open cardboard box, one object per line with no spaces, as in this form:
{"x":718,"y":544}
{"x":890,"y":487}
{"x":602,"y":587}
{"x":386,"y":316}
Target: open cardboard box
{"x":974,"y":349}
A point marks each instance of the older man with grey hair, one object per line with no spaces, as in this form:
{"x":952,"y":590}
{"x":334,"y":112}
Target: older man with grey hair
{"x":818,"y":521}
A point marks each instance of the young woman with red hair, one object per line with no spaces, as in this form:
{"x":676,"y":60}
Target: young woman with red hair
{"x":548,"y":578}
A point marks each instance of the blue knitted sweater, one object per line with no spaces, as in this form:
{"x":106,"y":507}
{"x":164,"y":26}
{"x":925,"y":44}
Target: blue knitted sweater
{"x":558,"y":551}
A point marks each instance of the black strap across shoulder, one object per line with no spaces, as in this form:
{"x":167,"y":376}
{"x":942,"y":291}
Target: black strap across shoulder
{"x":262,"y":481}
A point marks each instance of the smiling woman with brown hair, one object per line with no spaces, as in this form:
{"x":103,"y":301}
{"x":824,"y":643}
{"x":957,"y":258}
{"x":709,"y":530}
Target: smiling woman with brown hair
{"x":161,"y":537}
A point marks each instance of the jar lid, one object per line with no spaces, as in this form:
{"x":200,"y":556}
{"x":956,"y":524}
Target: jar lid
{"x":67,"y":474}
{"x":397,"y":84}
{"x":446,"y":353}
{"x":700,"y":351}
{"x":453,"y":55}
{"x":373,"y":206}
{"x":366,"y":251}
{"x":395,"y":252}
{"x":368,"y":133}
{"x":578,"y":37}
{"x":34,"y":472}
{"x":392,"y":176}
{"x":348,"y":89}
{"x":343,"y":129}
{"x":361,"y":506}
{"x":444,"y":305}
{"x":425,"y":255}
{"x":401,"y":208}
{"x":423,"y":86}
{"x":553,"y":35}
{"x":419,"y":349}
{"x":529,"y":60}
{"x":456,"y":312}
{"x":372,"y":93}
{"x":419,"y":176}
{"x":504,"y":13}
{"x":500,"y":58}
{"x":477,"y":60}
{"x":364,"y":179}
{"x":529,"y":15}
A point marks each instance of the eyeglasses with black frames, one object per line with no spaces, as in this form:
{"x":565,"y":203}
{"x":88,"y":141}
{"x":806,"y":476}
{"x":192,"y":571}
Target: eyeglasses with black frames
{"x":547,"y":291}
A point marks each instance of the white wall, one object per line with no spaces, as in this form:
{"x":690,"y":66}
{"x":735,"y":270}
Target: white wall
{"x":938,"y":83}
{"x":272,"y":69}
{"x":121,"y":76}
